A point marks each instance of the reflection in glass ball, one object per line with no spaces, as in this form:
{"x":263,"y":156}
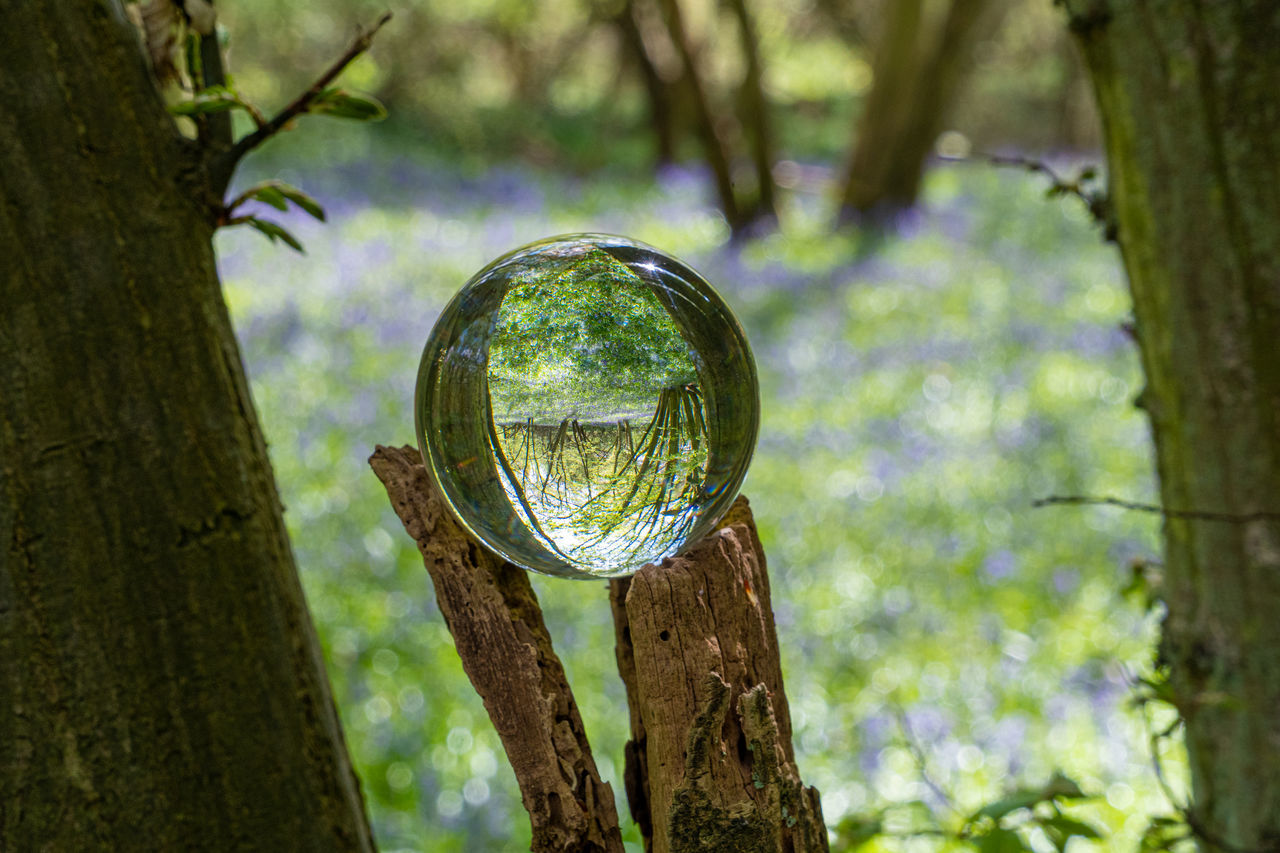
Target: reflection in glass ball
{"x":587,"y":405}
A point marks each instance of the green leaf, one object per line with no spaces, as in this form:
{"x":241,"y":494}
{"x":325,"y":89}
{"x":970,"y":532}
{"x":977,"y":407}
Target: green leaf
{"x":856,"y":830}
{"x":275,"y":232}
{"x":271,"y":195}
{"x":1001,"y":840}
{"x":215,"y":99}
{"x":278,"y":194}
{"x":1063,"y":787}
{"x":1164,"y":833}
{"x":343,"y":104}
{"x":1058,"y":787}
{"x":1023,"y":798}
{"x":1062,"y":829}
{"x":1160,"y":689}
{"x":301,"y":199}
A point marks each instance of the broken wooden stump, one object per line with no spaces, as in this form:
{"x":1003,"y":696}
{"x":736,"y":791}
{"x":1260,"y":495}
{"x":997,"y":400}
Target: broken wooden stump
{"x":497,"y":626}
{"x":710,"y":767}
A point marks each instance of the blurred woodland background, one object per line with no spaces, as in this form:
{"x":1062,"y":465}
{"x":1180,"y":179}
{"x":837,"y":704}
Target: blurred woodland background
{"x":939,"y":345}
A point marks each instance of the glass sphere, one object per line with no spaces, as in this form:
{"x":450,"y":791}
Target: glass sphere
{"x":586,"y":405}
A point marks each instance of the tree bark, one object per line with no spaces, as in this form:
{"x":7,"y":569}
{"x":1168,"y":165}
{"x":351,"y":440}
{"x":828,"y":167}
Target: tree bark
{"x":161,"y":685}
{"x":710,"y":766}
{"x":497,"y":626}
{"x":917,"y":79}
{"x":1187,"y":92}
{"x":754,"y":111}
{"x":658,"y":90}
{"x":713,"y":146}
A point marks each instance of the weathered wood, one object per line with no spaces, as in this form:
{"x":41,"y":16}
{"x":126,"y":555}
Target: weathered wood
{"x":493,"y":614}
{"x":710,"y":766}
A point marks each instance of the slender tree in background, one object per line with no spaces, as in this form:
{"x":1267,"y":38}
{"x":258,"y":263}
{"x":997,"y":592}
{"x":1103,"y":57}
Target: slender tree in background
{"x":719,"y":131}
{"x":919,"y":68}
{"x":658,"y":91}
{"x":161,"y":685}
{"x":1188,"y":95}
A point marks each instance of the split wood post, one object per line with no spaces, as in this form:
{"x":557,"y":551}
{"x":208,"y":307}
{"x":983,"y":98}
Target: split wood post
{"x":497,"y":626}
{"x":710,"y":767}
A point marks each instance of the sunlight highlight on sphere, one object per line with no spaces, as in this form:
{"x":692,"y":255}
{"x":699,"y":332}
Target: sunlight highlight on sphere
{"x":586,"y":405}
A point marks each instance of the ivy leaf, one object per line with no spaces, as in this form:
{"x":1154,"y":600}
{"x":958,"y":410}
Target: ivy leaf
{"x":342,"y":104}
{"x":1001,"y":840}
{"x":275,"y":232}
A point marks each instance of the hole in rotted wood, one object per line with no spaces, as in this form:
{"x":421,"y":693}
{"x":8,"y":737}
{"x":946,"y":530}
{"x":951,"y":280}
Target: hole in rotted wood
{"x":665,"y":635}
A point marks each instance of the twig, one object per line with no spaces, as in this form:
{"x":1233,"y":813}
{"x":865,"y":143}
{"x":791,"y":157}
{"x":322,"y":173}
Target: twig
{"x":1186,"y":812}
{"x":917,"y":752}
{"x":226,"y":162}
{"x":1095,"y":200}
{"x":1194,"y":514}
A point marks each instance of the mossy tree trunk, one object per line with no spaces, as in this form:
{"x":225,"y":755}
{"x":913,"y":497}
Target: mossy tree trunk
{"x":1187,"y":90}
{"x":161,"y":685}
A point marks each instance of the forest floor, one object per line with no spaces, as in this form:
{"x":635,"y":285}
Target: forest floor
{"x":943,"y":641}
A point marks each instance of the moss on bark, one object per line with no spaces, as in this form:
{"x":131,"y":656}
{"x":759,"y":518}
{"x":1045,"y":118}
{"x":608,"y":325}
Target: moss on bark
{"x":1187,"y":91}
{"x":161,"y":685}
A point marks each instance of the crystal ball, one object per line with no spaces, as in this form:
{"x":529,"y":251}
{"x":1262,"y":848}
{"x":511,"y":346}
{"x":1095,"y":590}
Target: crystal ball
{"x":587,"y":404}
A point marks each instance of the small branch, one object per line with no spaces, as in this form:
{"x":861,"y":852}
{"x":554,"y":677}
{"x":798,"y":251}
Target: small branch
{"x":227,"y":161}
{"x":917,"y":752}
{"x":1194,"y":514}
{"x":1094,"y":200}
{"x":493,"y":614}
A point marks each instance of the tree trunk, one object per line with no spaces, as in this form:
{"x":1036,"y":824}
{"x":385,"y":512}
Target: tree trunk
{"x":916,"y":82}
{"x":716,"y":152}
{"x":754,"y":113}
{"x":161,"y":686}
{"x":1187,"y":91}
{"x":658,"y":90}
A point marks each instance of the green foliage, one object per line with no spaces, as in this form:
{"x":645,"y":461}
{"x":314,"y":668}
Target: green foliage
{"x":273,"y":232}
{"x":278,"y":194}
{"x":581,"y":333}
{"x":1058,"y":788}
{"x":914,"y":405}
{"x":1167,"y":833}
{"x":1004,"y":825}
{"x":214,"y":99}
{"x":342,"y":104}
